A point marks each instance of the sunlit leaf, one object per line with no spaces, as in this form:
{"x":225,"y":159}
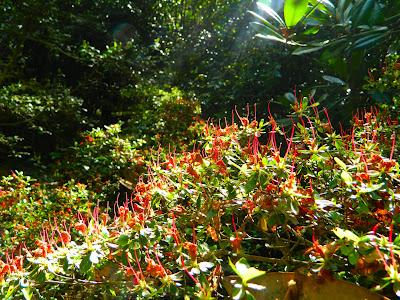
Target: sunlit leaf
{"x":261,"y":28}
{"x":340,"y":163}
{"x":245,"y":272}
{"x":371,"y":188}
{"x":305,"y":50}
{"x":348,"y":180}
{"x":294,"y":11}
{"x":345,"y":234}
{"x":269,"y":11}
{"x":204,"y":266}
{"x":94,"y":257}
{"x":265,"y":22}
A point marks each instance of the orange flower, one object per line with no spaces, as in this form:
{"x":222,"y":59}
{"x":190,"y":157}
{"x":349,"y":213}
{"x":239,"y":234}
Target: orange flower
{"x":80,"y":227}
{"x":154,"y":269}
{"x":211,"y":231}
{"x":191,"y":248}
{"x":235,"y":242}
{"x":65,"y":237}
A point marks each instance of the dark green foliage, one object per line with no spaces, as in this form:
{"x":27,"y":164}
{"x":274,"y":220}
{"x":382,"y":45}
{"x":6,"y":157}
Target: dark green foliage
{"x":35,"y":117}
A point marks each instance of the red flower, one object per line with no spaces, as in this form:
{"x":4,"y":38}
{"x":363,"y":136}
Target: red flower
{"x":89,"y":139}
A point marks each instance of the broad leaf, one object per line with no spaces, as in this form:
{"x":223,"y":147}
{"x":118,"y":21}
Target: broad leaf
{"x":244,"y":271}
{"x":294,"y":11}
{"x":346,"y":234}
{"x":340,"y":163}
{"x":85,"y":264}
{"x":252,"y":183}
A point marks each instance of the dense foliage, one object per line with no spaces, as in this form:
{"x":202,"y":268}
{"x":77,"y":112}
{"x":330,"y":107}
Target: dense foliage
{"x":119,"y":180}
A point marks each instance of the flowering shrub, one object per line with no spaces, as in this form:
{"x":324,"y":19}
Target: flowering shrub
{"x":316,"y":200}
{"x":28,"y":206}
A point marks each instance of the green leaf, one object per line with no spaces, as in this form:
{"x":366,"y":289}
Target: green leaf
{"x":263,"y":29}
{"x":294,"y":11}
{"x":252,"y":183}
{"x":369,"y":41}
{"x":27,"y":292}
{"x":123,"y":240}
{"x":371,"y":188}
{"x":249,"y":296}
{"x":353,"y":258}
{"x":271,"y":38}
{"x":340,"y":163}
{"x":244,"y":271}
{"x":266,"y":23}
{"x":305,"y":50}
{"x":276,"y":219}
{"x":346,"y":234}
{"x":347,"y":249}
{"x":361,"y":13}
{"x":237,"y":292}
{"x":348,"y":180}
{"x":311,"y":31}
{"x":85,"y":264}
{"x":270,"y":12}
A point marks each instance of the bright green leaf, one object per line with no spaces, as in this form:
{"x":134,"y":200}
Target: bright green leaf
{"x":294,"y":11}
{"x":348,"y":180}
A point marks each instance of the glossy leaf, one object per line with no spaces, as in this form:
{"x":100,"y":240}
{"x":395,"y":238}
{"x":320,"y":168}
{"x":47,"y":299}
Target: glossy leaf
{"x":263,"y":29}
{"x":340,"y":163}
{"x":294,"y":11}
{"x":369,"y":41}
{"x":270,"y":12}
{"x":362,"y":12}
{"x":305,"y":50}
{"x":244,"y":271}
{"x":265,"y":22}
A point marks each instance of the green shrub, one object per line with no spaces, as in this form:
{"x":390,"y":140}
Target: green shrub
{"x":163,"y":116}
{"x":99,"y":160}
{"x":37,"y":118}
